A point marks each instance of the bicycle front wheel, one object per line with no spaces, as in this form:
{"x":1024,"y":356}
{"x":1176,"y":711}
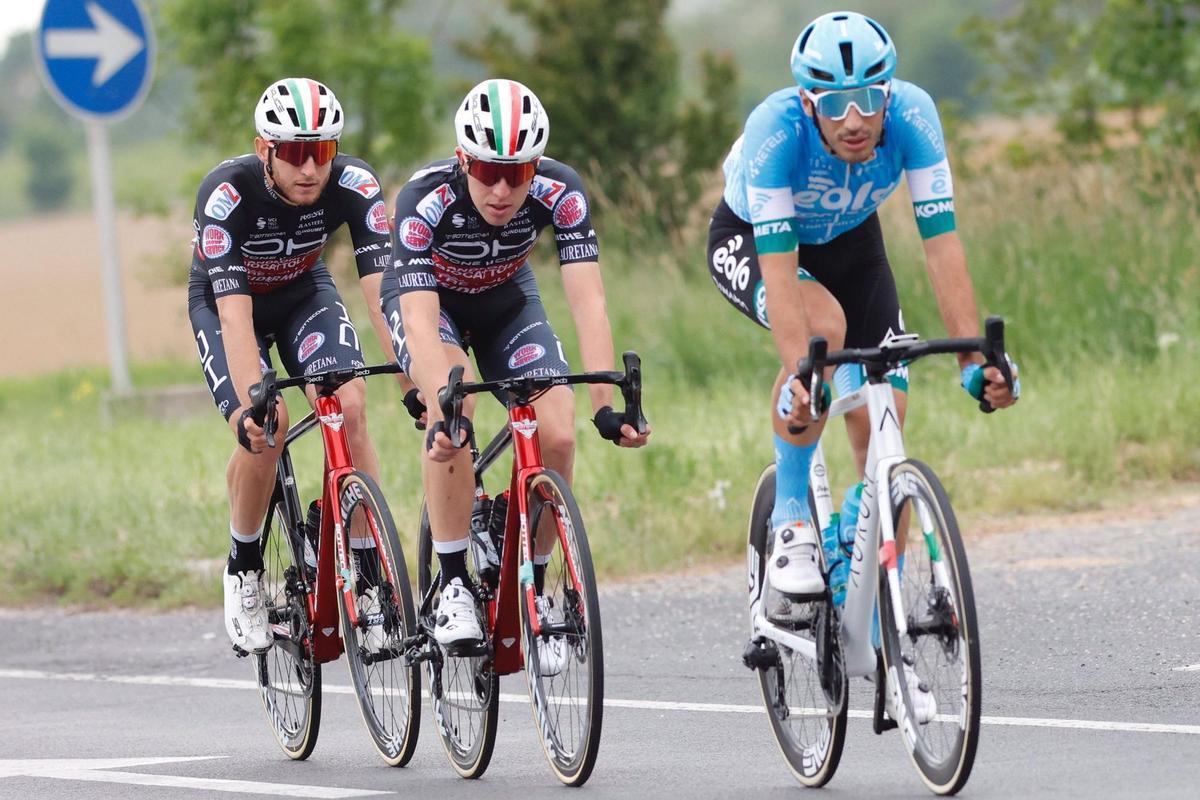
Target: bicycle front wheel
{"x":289,"y":680}
{"x":809,"y":726}
{"x":565,"y":664}
{"x":464,"y":689}
{"x":387,"y":684}
{"x":933,"y":670}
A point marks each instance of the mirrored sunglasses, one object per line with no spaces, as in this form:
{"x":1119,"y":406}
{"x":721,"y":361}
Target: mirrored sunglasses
{"x":835,"y":105}
{"x":489,"y":172}
{"x":297,"y":153}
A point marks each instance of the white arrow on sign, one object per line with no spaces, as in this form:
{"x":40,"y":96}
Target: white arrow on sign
{"x":104,"y":770}
{"x":108,"y":41}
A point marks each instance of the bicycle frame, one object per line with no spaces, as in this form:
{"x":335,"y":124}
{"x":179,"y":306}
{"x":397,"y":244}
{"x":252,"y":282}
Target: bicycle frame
{"x":885,"y":449}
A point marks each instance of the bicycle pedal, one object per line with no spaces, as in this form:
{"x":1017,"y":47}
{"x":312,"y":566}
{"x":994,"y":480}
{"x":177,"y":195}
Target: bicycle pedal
{"x":759,"y":654}
{"x":241,"y":653}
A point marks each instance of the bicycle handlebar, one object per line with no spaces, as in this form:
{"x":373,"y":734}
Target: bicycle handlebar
{"x":451,"y":396}
{"x":892,"y":353}
{"x":262,"y":394}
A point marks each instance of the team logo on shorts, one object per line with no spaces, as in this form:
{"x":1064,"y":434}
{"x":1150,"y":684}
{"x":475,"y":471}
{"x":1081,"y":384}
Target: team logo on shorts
{"x":415,"y":234}
{"x":760,"y":303}
{"x":377,"y":219}
{"x":311,"y":344}
{"x":526,"y":354}
{"x":571,"y":210}
{"x":215,"y":241}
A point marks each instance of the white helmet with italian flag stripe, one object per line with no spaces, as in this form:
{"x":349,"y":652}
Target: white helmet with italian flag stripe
{"x":298,"y":110}
{"x":501,"y":120}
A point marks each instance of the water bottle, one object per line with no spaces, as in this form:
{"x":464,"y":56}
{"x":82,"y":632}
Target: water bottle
{"x":487,"y":563}
{"x":497,"y":523}
{"x":312,"y":535}
{"x":835,"y":560}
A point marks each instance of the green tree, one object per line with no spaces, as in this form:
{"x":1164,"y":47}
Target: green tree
{"x":608,"y":75}
{"x":234,"y":48}
{"x":46,"y":152}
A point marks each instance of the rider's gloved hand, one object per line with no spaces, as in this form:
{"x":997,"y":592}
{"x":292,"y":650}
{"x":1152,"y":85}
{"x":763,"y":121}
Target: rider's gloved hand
{"x":250,"y":434}
{"x":608,"y":423}
{"x":415,"y":407}
{"x":976,"y":377}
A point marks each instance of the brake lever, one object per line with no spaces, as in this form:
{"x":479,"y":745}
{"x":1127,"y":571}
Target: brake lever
{"x":995,"y":355}
{"x":631,"y":391}
{"x":262,"y":409}
{"x":450,"y":400}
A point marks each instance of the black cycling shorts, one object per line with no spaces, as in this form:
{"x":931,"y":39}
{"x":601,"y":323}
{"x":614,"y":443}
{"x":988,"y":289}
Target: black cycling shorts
{"x":505,"y":327}
{"x":853,"y":267}
{"x":304,"y":319}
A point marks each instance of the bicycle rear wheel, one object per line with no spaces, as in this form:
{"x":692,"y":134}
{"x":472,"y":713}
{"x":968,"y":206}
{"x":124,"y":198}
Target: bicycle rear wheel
{"x":464,"y":690}
{"x":387,"y":684}
{"x":288,"y":678}
{"x":568,"y":705}
{"x":941,"y":646}
{"x":809,"y":726}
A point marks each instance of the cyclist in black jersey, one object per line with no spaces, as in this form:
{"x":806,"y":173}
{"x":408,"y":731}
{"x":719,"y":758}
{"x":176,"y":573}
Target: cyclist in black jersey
{"x":262,"y":221}
{"x":461,"y":280}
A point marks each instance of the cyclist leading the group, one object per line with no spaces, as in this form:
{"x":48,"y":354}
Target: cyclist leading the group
{"x":257,"y":278}
{"x":796,"y":245}
{"x":465,"y":227}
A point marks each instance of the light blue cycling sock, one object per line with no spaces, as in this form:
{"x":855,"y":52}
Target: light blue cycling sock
{"x":791,"y":481}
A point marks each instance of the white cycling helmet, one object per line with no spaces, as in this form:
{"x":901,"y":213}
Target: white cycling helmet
{"x":501,"y":120}
{"x":298,"y":110}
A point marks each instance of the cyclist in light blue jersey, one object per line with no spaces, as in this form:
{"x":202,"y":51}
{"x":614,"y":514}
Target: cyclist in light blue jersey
{"x":796,"y":245}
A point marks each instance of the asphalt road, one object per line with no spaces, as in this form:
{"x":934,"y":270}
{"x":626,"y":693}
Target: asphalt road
{"x":1091,"y":652}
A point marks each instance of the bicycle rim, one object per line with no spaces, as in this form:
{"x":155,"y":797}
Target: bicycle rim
{"x":289,"y":680}
{"x":464,"y":692}
{"x":387,"y":685}
{"x":567,"y":706}
{"x":809,"y":730}
{"x":942,"y":643}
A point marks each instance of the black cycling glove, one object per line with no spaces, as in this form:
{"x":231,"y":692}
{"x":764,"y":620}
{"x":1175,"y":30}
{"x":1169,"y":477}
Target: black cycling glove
{"x":414,"y":406}
{"x":608,"y":423}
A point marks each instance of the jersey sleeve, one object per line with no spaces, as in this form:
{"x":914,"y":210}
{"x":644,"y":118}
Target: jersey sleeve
{"x":926,"y":166}
{"x":570,"y":214}
{"x":412,"y":246}
{"x":220,"y":223}
{"x":767,"y":147}
{"x":366,"y":217}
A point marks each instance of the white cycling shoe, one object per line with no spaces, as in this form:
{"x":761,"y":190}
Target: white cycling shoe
{"x":924,"y":703}
{"x":371,"y":612}
{"x":245,"y":612}
{"x":794,"y":568}
{"x":552,"y":651}
{"x":457,"y":623}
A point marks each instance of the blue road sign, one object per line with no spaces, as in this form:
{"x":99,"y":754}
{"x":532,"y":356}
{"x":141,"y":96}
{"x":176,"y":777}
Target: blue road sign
{"x":97,"y":56}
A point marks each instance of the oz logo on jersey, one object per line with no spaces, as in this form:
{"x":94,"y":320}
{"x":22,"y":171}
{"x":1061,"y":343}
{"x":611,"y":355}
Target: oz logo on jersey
{"x":377,"y":219}
{"x":357,"y":179}
{"x":223,"y":200}
{"x":546,"y":191}
{"x":571,"y":210}
{"x":310,"y":345}
{"x":526,"y":354}
{"x":434,"y":204}
{"x":215,"y":241}
{"x":415,"y":234}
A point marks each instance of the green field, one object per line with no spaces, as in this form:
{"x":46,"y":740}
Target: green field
{"x":1093,"y":267}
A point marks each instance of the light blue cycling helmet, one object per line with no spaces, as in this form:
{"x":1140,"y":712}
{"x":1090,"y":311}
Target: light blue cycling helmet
{"x":843,"y":50}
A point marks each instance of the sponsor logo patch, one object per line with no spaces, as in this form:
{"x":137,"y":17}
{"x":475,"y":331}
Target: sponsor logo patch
{"x":434,"y":204}
{"x":310,"y":345}
{"x":357,"y":179}
{"x":526,"y":354}
{"x":571,"y":210}
{"x":546,"y":191}
{"x":377,"y":219}
{"x":223,"y":200}
{"x":415,"y":234}
{"x":215,"y":241}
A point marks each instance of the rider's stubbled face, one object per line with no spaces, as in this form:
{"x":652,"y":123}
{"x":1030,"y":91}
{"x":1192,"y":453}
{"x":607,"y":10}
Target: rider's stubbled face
{"x":301,"y":186}
{"x":852,"y":138}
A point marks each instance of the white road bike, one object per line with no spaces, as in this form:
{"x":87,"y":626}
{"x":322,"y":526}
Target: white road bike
{"x":908,"y":623}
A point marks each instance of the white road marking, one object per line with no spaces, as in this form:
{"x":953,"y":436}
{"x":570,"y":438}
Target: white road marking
{"x":104,"y":770}
{"x":1188,"y":668}
{"x":645,"y":705}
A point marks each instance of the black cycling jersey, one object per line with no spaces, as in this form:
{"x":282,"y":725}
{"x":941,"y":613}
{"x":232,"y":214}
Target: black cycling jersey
{"x":250,"y":241}
{"x":443,"y":242}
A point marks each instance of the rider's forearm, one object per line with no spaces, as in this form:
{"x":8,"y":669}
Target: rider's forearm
{"x":370,"y":287}
{"x":430,"y":367}
{"x":946,"y":263}
{"x":785,"y":307}
{"x":241,"y":347}
{"x":584,"y":290}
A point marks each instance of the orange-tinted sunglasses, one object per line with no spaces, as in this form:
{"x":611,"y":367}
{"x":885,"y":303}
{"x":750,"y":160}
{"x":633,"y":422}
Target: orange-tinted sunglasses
{"x":489,"y":172}
{"x":296,"y":153}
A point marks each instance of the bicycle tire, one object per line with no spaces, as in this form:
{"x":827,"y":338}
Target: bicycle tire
{"x":811,"y":741}
{"x":942,"y":643}
{"x":570,"y":584}
{"x":464,"y":692}
{"x":387,"y":685}
{"x":289,"y":680}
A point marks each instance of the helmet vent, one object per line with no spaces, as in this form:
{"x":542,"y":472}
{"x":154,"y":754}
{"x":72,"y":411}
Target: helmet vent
{"x":882,"y":36}
{"x":874,"y":70}
{"x":821,"y":75}
{"x":847,"y":57}
{"x":321,"y":89}
{"x":470,"y":133}
{"x":804,"y":38}
{"x":321,"y":116}
{"x":295,"y":119}
{"x":491,"y":137}
{"x":337,"y":116}
{"x":540,"y":133}
{"x":521,"y":140}
{"x":484,"y":105}
{"x":272,"y":117}
{"x":526,"y":106}
{"x":282,"y":89}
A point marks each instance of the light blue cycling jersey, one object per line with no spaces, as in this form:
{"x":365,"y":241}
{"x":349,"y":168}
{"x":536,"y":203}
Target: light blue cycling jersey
{"x":780,"y":177}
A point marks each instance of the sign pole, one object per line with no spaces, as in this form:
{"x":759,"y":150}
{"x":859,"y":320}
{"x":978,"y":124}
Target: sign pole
{"x":106,"y":220}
